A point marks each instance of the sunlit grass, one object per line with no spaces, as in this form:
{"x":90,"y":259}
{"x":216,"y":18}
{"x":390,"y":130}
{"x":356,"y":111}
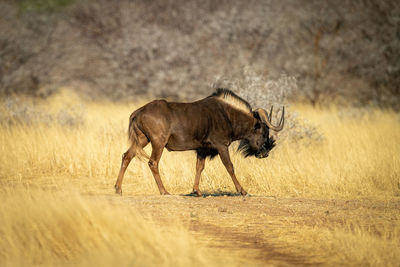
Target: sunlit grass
{"x":358,"y":157}
{"x":42,"y":228}
{"x":55,"y":179}
{"x":353,"y":244}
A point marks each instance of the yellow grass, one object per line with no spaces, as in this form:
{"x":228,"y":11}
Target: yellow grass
{"x":359,"y":157}
{"x":41,"y":228}
{"x":351,"y":245}
{"x":55,"y":181}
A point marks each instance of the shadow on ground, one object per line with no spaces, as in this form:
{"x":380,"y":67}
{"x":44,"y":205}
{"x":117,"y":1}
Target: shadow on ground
{"x":215,"y":194}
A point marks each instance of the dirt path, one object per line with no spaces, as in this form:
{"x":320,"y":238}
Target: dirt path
{"x":250,"y":227}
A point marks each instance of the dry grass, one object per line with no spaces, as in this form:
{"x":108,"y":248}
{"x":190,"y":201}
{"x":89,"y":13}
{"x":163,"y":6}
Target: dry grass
{"x":359,"y":157}
{"x":42,"y":228}
{"x":367,"y":236}
{"x":45,"y":169}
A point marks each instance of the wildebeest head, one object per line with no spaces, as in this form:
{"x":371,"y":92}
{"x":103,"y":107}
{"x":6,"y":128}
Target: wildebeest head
{"x":258,"y":143}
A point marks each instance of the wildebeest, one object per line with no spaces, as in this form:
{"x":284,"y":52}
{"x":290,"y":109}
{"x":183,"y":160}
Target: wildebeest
{"x":207,"y":126}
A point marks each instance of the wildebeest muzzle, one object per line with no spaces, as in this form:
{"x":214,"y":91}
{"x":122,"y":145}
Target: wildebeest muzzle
{"x":247,"y":150}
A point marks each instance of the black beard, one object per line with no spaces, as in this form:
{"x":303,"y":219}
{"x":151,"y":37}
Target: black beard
{"x":246,"y":150}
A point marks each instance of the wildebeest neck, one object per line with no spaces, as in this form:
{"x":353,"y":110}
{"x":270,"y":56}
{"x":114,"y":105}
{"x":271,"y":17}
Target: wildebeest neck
{"x":241,"y":122}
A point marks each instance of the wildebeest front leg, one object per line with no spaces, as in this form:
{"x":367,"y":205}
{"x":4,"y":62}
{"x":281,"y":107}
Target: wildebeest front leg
{"x":226,"y":160}
{"x":153,"y":164}
{"x":199,"y":168}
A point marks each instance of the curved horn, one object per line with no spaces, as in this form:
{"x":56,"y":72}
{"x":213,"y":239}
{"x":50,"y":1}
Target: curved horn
{"x":267,"y":118}
{"x":270,"y":113}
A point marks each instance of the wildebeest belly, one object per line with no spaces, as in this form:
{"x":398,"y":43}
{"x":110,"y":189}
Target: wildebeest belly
{"x":181,"y":143}
{"x":203,"y":149}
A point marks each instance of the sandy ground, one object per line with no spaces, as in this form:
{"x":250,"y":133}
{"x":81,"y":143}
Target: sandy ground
{"x":254,"y":229}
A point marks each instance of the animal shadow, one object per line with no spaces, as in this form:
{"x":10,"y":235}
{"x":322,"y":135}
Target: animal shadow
{"x":215,"y":194}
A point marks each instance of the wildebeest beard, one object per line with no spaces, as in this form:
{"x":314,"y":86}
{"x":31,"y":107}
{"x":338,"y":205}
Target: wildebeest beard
{"x":262,"y":152}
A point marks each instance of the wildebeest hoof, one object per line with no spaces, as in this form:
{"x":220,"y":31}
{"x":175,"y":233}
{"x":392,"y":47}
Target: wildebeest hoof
{"x":197,"y":193}
{"x":118,"y":190}
{"x":243,"y":193}
{"x":165,"y":193}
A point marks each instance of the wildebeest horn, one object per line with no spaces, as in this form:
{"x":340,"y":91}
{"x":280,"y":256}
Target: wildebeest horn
{"x":267,"y":118}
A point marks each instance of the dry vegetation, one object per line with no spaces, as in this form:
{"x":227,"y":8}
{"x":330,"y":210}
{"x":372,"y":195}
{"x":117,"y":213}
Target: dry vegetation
{"x":42,"y":228}
{"x":71,"y":72}
{"x":58,"y":206}
{"x":173,"y":48}
{"x":358,"y":157}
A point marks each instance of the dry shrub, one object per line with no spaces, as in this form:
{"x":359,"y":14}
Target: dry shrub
{"x":64,"y":109}
{"x":265,"y":93}
{"x":127,"y":49}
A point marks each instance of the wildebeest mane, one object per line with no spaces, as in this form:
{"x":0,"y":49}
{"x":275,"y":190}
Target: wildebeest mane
{"x":232,"y":99}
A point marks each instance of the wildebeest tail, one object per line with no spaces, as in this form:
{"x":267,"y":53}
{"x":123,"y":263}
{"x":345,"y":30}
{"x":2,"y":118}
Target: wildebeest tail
{"x":133,"y":138}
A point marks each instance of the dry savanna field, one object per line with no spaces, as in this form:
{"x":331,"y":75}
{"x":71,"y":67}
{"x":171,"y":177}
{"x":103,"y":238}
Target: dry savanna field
{"x":332,"y":202}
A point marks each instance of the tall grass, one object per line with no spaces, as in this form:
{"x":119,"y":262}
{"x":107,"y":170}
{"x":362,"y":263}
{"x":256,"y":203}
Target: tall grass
{"x":357,"y":158}
{"x":43,"y":228}
{"x":47,"y":167}
{"x":349,"y":245}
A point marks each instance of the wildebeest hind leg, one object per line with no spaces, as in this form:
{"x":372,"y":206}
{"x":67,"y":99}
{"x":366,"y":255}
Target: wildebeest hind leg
{"x":153,"y":164}
{"x":199,"y":168}
{"x":126,"y":159}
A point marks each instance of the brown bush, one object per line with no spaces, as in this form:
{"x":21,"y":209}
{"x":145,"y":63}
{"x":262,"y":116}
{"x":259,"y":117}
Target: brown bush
{"x":347,"y":50}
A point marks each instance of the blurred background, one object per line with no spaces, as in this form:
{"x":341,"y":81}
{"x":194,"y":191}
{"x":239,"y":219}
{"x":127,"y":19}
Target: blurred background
{"x":318,"y":52}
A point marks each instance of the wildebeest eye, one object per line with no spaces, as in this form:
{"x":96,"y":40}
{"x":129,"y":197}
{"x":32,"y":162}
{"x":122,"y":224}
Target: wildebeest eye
{"x":257,"y":126}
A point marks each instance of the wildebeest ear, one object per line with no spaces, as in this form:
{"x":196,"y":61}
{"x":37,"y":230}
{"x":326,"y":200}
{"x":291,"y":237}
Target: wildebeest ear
{"x":257,"y":125}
